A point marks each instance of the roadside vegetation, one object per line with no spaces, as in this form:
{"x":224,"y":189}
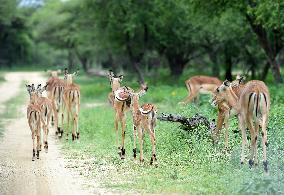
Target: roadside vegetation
{"x":9,"y":109}
{"x":188,"y":161}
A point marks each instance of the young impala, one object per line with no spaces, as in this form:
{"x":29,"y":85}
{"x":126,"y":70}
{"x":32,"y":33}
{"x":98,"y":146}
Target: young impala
{"x":144,"y":119}
{"x":47,"y":109}
{"x":121,"y":104}
{"x":55,"y":90}
{"x":252,"y":108}
{"x":34,"y":119}
{"x":225,"y":111}
{"x":72,"y":104}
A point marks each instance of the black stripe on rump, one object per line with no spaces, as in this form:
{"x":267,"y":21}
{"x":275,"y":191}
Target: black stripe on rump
{"x":249,"y":99}
{"x":256,"y":108}
{"x":265,"y":99}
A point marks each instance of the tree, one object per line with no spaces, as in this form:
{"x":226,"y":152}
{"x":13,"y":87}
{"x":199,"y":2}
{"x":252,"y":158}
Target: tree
{"x":265,"y":19}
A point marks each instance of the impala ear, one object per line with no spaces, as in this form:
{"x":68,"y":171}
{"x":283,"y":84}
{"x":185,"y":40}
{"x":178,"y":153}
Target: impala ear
{"x":110,"y":73}
{"x":75,"y":73}
{"x":33,"y":87}
{"x":44,"y":87}
{"x":242,"y":79}
{"x":65,"y":71}
{"x":120,"y":77}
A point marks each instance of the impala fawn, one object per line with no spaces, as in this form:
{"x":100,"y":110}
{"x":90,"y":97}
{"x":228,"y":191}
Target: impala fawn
{"x":144,"y":119}
{"x":34,"y":120}
{"x":72,"y":104}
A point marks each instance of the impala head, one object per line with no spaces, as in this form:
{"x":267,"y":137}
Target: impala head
{"x":238,"y":81}
{"x":219,"y":93}
{"x":40,"y":90}
{"x":69,"y":77}
{"x":136,"y":95}
{"x":32,"y":91}
{"x":54,"y":73}
{"x":114,"y":80}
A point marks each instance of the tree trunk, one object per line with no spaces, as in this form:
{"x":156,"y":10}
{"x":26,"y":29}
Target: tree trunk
{"x":215,"y":65}
{"x":176,"y":69}
{"x":71,"y":63}
{"x":265,"y":71}
{"x":252,"y":63}
{"x":228,"y":65}
{"x":84,"y":62}
{"x":266,"y":46}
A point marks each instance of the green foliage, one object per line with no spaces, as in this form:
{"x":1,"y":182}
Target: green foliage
{"x":15,"y":36}
{"x":188,"y":162}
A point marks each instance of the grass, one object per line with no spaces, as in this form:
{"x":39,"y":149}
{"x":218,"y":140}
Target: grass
{"x":188,"y":162}
{"x":2,"y":78}
{"x":10,"y":110}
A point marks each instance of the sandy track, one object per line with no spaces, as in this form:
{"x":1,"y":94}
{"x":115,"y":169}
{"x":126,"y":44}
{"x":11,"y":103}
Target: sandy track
{"x":18,"y":174}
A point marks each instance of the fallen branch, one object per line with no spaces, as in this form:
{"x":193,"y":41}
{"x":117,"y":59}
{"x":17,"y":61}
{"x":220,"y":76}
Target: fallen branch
{"x":189,"y":124}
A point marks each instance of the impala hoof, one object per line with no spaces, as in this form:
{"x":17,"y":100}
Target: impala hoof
{"x":265,"y":164}
{"x":37,"y":154}
{"x":134,"y":153}
{"x":122,"y":156}
{"x":251,"y":163}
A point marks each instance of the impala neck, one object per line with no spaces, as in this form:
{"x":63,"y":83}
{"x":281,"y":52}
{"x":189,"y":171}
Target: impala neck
{"x":135,"y":103}
{"x":69,"y":80}
{"x":33,"y":98}
{"x":232,"y":99}
{"x":115,"y":85}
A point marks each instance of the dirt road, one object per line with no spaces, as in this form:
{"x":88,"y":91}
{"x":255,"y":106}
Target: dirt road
{"x":18,"y":174}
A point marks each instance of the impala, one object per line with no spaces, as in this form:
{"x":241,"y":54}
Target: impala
{"x":200,"y":84}
{"x":144,"y":119}
{"x":55,"y":90}
{"x":225,"y":111}
{"x":121,"y":104}
{"x":72,"y":104}
{"x":47,"y":109}
{"x":34,"y":120}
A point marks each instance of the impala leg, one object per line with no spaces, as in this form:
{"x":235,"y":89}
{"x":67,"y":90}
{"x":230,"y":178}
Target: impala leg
{"x":244,"y":136}
{"x":72,"y":125}
{"x":77,"y":120}
{"x":264,"y":141}
{"x":34,"y":145}
{"x":62,"y":122}
{"x":38,"y":139}
{"x":140,"y":136}
{"x":256,"y":139}
{"x":153,"y":142}
{"x":134,"y":140}
{"x":116,"y":131}
{"x":191,"y":96}
{"x":68,"y":123}
{"x":220,"y":121}
{"x":253,"y":141}
{"x":77,"y":126}
{"x":227,"y":115}
{"x":123,"y":126}
{"x":55,"y":116}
